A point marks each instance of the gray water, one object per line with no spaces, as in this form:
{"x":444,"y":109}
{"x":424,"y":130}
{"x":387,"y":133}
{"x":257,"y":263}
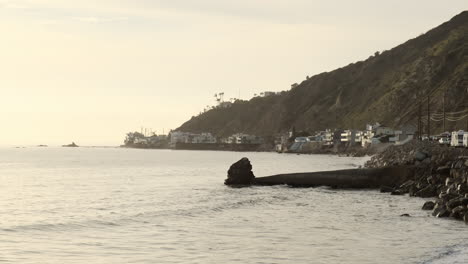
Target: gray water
{"x":98,"y":205}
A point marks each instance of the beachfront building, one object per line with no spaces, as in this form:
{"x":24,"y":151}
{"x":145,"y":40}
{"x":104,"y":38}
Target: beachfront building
{"x":241,"y":138}
{"x":351,"y":137}
{"x":404,"y":135}
{"x":328,"y":137}
{"x":457,"y":138}
{"x":301,"y":139}
{"x":368,"y":134}
{"x":358,"y":138}
{"x":179,"y":137}
{"x":191,"y":138}
{"x":205,"y":138}
{"x":384,"y":131}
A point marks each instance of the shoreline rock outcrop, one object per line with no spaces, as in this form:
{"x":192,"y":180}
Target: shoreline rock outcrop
{"x":240,"y":173}
{"x":419,"y":169}
{"x":441,"y":172}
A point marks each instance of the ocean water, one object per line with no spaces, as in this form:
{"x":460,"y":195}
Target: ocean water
{"x":110,"y":205}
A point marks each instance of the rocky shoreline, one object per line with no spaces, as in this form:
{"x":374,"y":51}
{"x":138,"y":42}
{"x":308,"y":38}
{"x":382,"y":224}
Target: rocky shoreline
{"x":440,"y":173}
{"x":419,"y":169}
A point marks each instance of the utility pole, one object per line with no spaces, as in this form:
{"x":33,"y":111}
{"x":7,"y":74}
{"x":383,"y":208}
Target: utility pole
{"x":428,"y":117}
{"x":443,"y":103}
{"x":419,"y":121}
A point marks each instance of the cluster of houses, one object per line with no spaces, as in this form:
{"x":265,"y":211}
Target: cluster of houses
{"x":208,"y":138}
{"x":144,"y":140}
{"x":374,"y":134}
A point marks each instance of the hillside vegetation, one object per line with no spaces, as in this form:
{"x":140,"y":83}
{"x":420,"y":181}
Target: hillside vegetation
{"x":387,"y":88}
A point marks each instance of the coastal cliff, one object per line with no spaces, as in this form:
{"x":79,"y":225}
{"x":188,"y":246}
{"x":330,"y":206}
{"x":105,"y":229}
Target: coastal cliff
{"x":387,"y":87}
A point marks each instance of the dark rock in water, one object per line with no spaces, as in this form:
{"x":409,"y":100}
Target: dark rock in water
{"x":386,"y":189}
{"x":405,"y":215}
{"x":429,"y":191}
{"x":459,"y":212}
{"x":455,"y":202}
{"x":429,"y":205}
{"x":72,"y":145}
{"x":398,"y":192}
{"x":240,"y":173}
{"x":441,"y":211}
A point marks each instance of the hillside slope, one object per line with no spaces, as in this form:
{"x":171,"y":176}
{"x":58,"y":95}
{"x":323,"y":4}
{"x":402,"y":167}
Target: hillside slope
{"x":386,"y":87}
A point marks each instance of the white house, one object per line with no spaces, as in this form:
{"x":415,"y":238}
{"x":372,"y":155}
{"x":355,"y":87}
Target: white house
{"x":350,"y":136}
{"x":301,"y":139}
{"x":457,"y":138}
{"x":241,"y":138}
{"x":203,"y":138}
{"x":328,"y":137}
{"x":346,"y":136}
{"x":465,"y":140}
{"x":179,"y":137}
{"x":366,"y":138}
{"x":359,"y":136}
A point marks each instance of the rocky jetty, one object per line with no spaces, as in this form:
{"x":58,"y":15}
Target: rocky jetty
{"x":441,"y":172}
{"x":240,"y":174}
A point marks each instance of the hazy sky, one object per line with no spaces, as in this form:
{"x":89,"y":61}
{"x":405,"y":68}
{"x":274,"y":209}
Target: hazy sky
{"x":90,"y":71}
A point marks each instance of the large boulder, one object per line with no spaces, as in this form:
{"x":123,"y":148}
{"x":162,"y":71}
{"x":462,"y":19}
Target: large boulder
{"x":240,"y":173}
{"x":429,"y":205}
{"x":429,"y":191}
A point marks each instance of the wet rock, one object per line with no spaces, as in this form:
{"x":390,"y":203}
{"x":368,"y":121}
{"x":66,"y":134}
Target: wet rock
{"x":441,"y":211}
{"x":240,"y":173}
{"x":459,"y":212}
{"x":398,"y":192}
{"x":454,"y":203}
{"x":429,"y":191}
{"x":386,"y":189}
{"x":448,"y":181}
{"x":429,"y":205}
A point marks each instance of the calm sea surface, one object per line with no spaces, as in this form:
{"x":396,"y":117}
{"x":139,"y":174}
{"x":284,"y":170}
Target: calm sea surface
{"x":106,"y":205}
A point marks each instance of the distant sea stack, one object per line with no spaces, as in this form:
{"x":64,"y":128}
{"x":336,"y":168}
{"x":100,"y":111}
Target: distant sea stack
{"x":387,"y":87}
{"x":72,"y":145}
